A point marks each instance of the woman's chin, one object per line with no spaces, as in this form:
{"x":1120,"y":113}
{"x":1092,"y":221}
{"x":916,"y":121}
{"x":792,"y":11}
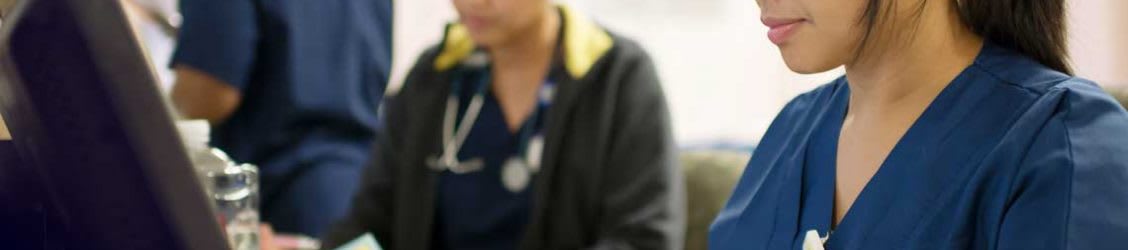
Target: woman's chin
{"x":808,"y":69}
{"x":806,"y":58}
{"x":808,"y":65}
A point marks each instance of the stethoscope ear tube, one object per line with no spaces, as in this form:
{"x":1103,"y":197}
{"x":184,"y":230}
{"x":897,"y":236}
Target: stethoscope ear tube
{"x":455,"y":136}
{"x":516,"y":171}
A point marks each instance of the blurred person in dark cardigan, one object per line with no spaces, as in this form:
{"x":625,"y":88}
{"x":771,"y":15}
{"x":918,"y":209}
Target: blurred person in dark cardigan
{"x":529,"y":127}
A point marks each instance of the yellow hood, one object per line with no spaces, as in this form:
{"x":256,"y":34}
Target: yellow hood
{"x":584,"y":44}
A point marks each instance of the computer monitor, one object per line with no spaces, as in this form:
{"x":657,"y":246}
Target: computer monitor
{"x":97,"y":156}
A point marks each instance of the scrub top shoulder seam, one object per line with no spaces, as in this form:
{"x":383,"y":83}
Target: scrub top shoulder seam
{"x":1072,"y":167}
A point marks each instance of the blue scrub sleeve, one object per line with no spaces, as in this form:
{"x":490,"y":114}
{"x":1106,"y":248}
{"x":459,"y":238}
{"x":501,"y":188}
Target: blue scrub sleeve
{"x":1073,"y":186}
{"x":219,"y":37}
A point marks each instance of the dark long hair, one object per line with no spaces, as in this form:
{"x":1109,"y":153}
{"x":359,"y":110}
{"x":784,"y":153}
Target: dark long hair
{"x":1034,"y":28}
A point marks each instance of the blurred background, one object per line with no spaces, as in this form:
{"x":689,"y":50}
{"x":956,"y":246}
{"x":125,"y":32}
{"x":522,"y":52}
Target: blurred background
{"x":724,"y":80}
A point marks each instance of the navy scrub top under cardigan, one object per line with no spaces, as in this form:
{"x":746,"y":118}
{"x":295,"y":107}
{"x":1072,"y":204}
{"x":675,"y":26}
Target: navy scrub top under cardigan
{"x":474,"y":210}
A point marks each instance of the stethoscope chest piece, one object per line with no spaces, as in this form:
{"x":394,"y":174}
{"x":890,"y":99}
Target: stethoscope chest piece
{"x":515,"y":174}
{"x":517,"y":171}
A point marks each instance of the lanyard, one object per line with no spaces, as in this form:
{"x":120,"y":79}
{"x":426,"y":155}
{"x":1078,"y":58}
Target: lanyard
{"x":530,"y":136}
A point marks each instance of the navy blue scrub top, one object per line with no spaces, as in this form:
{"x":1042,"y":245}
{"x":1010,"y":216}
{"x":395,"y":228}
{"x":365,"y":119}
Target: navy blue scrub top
{"x":312,"y":74}
{"x":1010,"y":155}
{"x":475,"y":210}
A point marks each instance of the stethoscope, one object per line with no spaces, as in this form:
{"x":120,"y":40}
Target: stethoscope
{"x":517,"y":171}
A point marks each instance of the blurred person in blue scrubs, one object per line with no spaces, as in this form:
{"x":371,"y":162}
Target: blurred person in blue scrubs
{"x":958,"y":125}
{"x":293,"y":87}
{"x":528,"y":127}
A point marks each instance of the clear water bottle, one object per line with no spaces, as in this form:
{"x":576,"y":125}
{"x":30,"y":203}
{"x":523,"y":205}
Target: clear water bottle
{"x":235,"y":193}
{"x":233,"y":188}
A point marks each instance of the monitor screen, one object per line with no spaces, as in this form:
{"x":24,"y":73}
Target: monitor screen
{"x":95,"y":162}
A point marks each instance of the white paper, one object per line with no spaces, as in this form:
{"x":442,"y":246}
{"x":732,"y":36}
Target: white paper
{"x":364,"y":242}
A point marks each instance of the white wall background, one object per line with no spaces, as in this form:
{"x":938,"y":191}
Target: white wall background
{"x":724,"y":80}
{"x":1099,"y":40}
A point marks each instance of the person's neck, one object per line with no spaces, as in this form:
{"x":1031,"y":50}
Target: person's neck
{"x":532,"y":52}
{"x":912,"y":74}
{"x":519,"y":68}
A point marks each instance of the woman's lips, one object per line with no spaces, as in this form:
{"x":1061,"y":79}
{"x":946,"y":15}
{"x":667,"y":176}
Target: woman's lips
{"x":475,"y":23}
{"x":781,"y":28}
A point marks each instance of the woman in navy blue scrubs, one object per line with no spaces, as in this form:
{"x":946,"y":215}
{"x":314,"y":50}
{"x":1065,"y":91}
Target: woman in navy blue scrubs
{"x":958,"y":125}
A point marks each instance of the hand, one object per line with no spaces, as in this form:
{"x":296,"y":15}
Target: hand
{"x":266,"y":238}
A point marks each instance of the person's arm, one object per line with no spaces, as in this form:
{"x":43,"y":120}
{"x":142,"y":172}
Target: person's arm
{"x":372,"y":207}
{"x":198,"y":95}
{"x":643,"y":203}
{"x":214,"y":57}
{"x":1071,"y":191}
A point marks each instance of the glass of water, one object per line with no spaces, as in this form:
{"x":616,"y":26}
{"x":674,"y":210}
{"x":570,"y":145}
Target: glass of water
{"x":235,"y":191}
